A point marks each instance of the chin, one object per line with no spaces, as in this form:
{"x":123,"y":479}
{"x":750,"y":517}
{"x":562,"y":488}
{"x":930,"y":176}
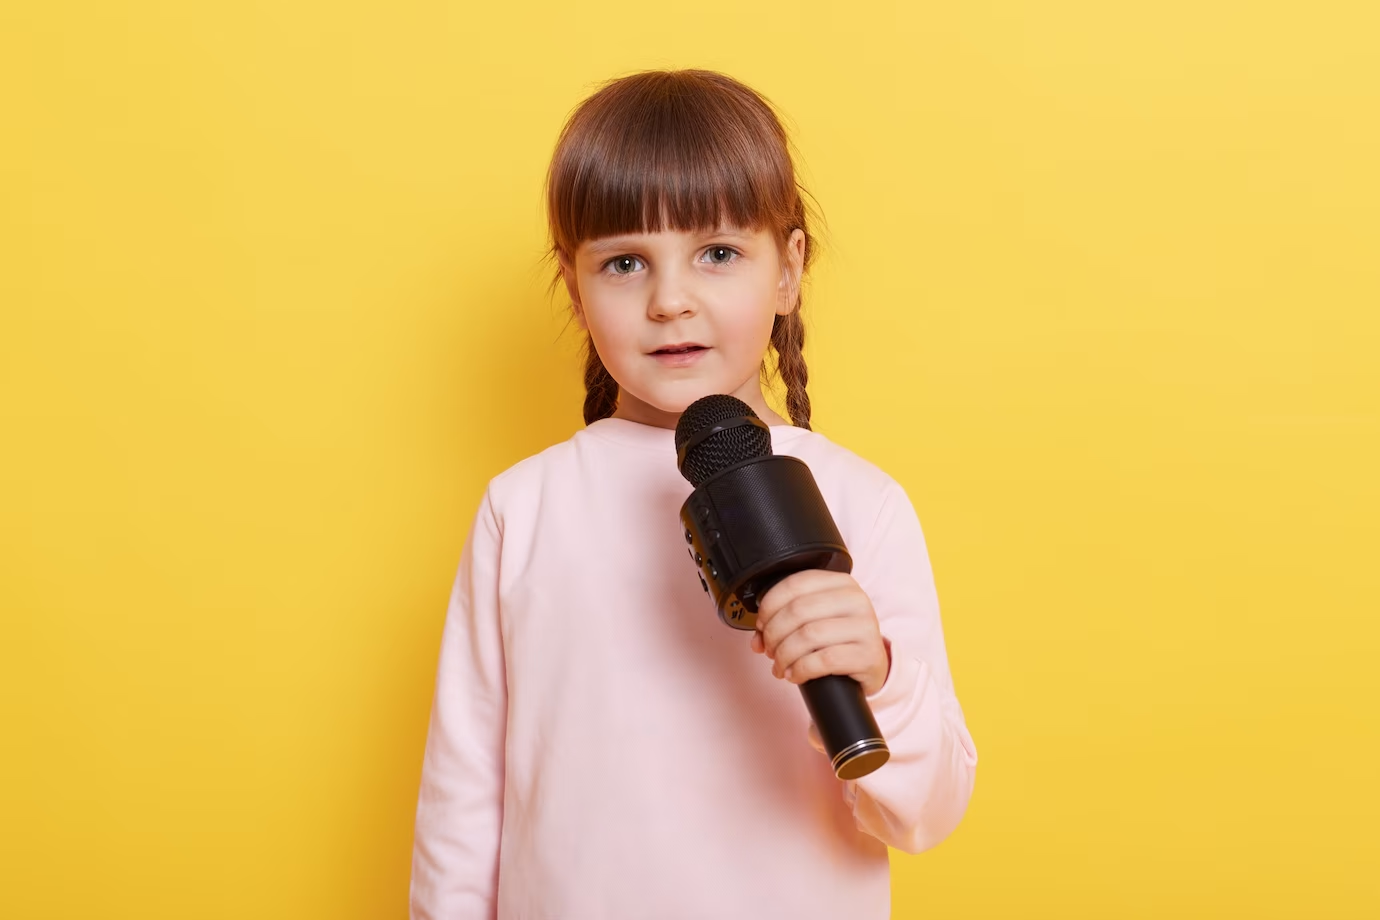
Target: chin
{"x":683,"y":398}
{"x":674,"y":396}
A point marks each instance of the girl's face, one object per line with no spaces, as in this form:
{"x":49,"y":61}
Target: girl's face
{"x":678,"y":315}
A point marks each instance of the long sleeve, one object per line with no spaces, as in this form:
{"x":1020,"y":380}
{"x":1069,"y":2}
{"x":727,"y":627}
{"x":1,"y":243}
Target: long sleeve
{"x":460,"y":804}
{"x":919,"y":796}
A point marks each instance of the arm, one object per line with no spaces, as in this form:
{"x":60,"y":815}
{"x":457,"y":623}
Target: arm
{"x":918,"y":797}
{"x":460,"y":804}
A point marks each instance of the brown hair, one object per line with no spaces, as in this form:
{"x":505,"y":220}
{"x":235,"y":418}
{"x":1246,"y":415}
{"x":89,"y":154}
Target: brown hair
{"x":686,"y":150}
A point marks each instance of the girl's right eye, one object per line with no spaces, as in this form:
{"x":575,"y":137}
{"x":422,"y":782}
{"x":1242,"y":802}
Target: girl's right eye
{"x":622,"y":265}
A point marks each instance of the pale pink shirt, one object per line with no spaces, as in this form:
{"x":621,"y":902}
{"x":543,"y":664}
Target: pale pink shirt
{"x":602,"y":747}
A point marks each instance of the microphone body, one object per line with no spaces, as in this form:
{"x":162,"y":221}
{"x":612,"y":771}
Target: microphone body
{"x":753,"y":519}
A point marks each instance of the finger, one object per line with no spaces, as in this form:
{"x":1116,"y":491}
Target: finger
{"x":848,"y":660}
{"x":839,"y":602}
{"x":816,"y":635}
{"x":813,"y":636}
{"x":805,"y":609}
{"x":755,"y":643}
{"x":808,"y":581}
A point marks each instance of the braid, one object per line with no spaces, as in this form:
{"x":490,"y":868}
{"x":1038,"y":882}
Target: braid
{"x":601,"y":390}
{"x":788,"y":338}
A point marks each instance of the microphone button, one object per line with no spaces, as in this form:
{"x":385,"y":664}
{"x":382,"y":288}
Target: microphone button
{"x":703,"y":584}
{"x":699,"y":560}
{"x":689,"y":537}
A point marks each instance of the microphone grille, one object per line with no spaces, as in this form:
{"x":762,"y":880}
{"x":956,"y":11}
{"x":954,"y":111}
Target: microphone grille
{"x":720,"y":449}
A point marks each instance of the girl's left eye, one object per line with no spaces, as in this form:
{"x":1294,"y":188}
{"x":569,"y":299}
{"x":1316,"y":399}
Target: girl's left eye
{"x":714,"y":251}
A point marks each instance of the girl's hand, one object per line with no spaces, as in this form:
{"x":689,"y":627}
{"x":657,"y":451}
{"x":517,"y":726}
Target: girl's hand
{"x":815,"y":623}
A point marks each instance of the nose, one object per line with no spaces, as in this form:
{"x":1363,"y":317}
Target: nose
{"x":673,"y":296}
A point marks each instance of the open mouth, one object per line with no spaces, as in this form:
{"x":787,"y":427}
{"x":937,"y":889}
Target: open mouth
{"x":679,"y":349}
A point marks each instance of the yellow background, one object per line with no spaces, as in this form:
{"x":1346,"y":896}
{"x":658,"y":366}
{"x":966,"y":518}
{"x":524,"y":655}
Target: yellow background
{"x":1101,"y":290}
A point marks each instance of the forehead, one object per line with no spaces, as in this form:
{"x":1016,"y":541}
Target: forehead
{"x":621,"y":241}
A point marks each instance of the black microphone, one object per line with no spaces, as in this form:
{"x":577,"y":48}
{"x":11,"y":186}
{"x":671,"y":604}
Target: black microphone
{"x":754,"y":518}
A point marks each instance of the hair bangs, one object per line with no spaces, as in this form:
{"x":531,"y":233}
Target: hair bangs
{"x":669,"y":155}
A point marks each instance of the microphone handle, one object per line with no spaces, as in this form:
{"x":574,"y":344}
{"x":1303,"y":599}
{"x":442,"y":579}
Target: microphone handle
{"x":845,"y":723}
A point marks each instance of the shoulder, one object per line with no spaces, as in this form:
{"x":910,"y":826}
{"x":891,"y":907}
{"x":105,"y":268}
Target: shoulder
{"x":829,"y":460}
{"x":856,"y":490}
{"x":522,"y":484}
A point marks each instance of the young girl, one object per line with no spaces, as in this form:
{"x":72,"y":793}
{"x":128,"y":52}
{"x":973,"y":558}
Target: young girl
{"x":601,"y":747}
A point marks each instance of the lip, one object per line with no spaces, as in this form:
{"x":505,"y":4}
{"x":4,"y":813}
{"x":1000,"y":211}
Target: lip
{"x":682,"y":358}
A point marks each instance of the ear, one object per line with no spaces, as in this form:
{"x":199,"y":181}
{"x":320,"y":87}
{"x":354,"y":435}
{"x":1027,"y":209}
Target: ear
{"x":791,"y":270}
{"x":572,"y":288}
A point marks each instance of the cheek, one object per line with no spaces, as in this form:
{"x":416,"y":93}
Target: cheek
{"x":748,"y":320}
{"x":612,"y":326}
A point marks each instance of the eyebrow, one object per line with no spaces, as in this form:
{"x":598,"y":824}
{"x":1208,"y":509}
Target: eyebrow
{"x":615,"y":243}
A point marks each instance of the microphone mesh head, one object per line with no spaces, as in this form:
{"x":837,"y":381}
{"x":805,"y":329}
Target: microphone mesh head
{"x":721,"y":449}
